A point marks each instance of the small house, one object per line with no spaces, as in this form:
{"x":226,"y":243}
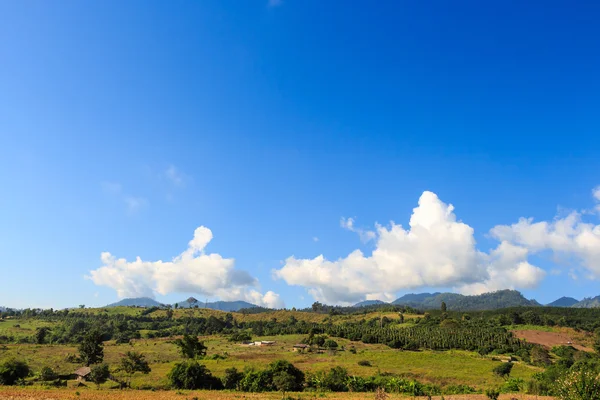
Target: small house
{"x":301,"y":348}
{"x":82,"y":373}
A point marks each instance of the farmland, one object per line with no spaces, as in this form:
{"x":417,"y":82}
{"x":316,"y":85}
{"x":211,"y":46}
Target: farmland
{"x":388,"y":348}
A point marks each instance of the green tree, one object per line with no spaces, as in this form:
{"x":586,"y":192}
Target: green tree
{"x":232,"y":378}
{"x":47,"y":374}
{"x":284,"y":382}
{"x":290,"y":377}
{"x":443,"y":306}
{"x":12,"y":371}
{"x":330,"y":344}
{"x":190,"y":347}
{"x":503,"y":370}
{"x":191,"y":375}
{"x":91,"y":350}
{"x":99,"y":374}
{"x":41,"y":334}
{"x":133,"y":362}
{"x":579,"y":385}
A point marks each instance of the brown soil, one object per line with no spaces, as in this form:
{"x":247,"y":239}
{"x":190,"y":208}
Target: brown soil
{"x":550,"y":339}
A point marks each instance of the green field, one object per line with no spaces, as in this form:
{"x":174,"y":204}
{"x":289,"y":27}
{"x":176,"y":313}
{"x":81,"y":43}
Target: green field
{"x":442,"y":368}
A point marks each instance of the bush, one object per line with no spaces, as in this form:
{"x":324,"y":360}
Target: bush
{"x":492,"y":394}
{"x":513,"y":385}
{"x":240,"y":337}
{"x":460,"y":389}
{"x":191,"y":375}
{"x":364,"y":363}
{"x":99,"y":374}
{"x":336,"y":379}
{"x":12,"y":371}
{"x":579,"y":385}
{"x":257,"y":381}
{"x":503,"y":370}
{"x":47,"y":374}
{"x":289,"y":378}
{"x":232,"y":378}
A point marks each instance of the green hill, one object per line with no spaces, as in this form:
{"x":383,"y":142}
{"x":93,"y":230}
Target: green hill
{"x":563,"y":302}
{"x":459,"y":302}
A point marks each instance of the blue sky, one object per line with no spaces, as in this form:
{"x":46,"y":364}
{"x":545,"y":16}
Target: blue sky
{"x":126,"y":126}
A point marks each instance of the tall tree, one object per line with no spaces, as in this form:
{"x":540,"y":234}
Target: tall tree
{"x":91,"y":349}
{"x":191,"y":347}
{"x":133,"y":362}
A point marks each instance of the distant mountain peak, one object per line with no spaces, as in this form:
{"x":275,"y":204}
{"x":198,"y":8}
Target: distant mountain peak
{"x":367,"y":303}
{"x":136,"y":302}
{"x":216,"y":305}
{"x":563,"y":302}
{"x":192,"y":300}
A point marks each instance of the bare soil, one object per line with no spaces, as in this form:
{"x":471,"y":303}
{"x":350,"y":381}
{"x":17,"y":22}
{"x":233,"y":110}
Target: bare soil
{"x":551,"y":339}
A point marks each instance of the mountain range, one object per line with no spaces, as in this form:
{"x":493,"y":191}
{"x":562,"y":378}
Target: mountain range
{"x":188,"y":303}
{"x":454,"y":302}
{"x":485,"y":301}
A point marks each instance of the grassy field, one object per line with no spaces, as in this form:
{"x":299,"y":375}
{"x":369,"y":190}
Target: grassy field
{"x":93,"y":394}
{"x":442,"y":368}
{"x":21,"y":328}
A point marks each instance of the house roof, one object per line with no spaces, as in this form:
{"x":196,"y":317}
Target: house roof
{"x":83,"y":371}
{"x":302,"y":346}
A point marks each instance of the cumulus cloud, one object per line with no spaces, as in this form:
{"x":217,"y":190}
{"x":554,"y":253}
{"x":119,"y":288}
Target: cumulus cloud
{"x":192,"y":271}
{"x":569,"y":237}
{"x":436,"y":250}
{"x":365,"y":235}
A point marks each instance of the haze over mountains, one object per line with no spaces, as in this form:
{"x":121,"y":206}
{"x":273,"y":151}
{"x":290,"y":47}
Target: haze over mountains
{"x":424,"y":301}
{"x":485,"y":301}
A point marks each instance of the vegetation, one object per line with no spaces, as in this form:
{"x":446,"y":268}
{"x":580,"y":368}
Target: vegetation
{"x":13,"y":371}
{"x":99,"y":374}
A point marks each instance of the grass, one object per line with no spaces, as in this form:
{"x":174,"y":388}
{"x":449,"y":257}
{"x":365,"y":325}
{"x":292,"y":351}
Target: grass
{"x":442,"y":368}
{"x":92,"y":394}
{"x":20,"y":328}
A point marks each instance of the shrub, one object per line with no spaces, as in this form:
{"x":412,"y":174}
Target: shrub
{"x":336,"y":379}
{"x":47,"y":374}
{"x":12,"y":371}
{"x":503,"y":370}
{"x":191,"y":375}
{"x":289,"y":378}
{"x":513,"y":385}
{"x":579,"y":385}
{"x":492,"y":394}
{"x":232,"y":378}
{"x":256,"y":381}
{"x":99,"y":374}
{"x":330,"y":344}
{"x":364,"y":363}
{"x":460,"y":389}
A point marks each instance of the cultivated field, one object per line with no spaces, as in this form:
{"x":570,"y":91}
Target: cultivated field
{"x":62,"y":394}
{"x":442,"y":368}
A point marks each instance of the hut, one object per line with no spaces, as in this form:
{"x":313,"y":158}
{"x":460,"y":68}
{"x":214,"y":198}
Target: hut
{"x":82,"y":373}
{"x":301,"y":348}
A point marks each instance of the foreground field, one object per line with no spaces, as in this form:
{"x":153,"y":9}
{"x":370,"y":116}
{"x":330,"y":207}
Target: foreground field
{"x":442,"y":368}
{"x":64,"y":394}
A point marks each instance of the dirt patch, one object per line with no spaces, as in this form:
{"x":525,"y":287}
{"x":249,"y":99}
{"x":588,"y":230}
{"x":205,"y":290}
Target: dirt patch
{"x":550,"y":339}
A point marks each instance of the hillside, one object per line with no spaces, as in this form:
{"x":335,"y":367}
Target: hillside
{"x":459,"y":302}
{"x":137,"y":302}
{"x":590,"y":302}
{"x":368,"y":303}
{"x":563,"y":302}
{"x":216,"y":305}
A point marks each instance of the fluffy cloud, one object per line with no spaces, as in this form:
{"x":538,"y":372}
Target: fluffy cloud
{"x":437,"y":251}
{"x":193,"y":271}
{"x":569,"y":237}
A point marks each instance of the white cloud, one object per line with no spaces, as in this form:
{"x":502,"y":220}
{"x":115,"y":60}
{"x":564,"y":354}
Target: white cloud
{"x":436,"y":251}
{"x":596,"y":193}
{"x":174,"y":176}
{"x":569,"y":237}
{"x":315,"y":239}
{"x":193,"y":271}
{"x":365,"y":235}
{"x":135,"y":204}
